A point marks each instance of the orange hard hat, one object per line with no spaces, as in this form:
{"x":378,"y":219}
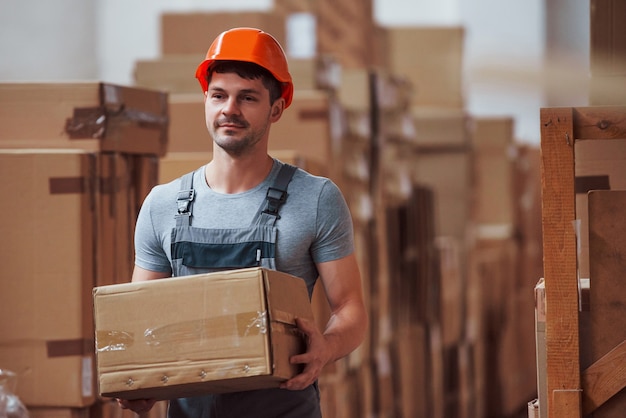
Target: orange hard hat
{"x":250,"y":45}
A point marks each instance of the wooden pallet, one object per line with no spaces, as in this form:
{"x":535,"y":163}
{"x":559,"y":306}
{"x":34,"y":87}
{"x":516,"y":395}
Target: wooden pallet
{"x":571,"y":392}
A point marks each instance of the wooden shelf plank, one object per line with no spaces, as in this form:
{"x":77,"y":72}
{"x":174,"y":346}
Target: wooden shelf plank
{"x":604,"y":378}
{"x":599,"y":122}
{"x":559,"y":249}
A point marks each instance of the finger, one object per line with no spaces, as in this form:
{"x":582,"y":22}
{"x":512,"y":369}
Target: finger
{"x":305,"y":325}
{"x":303,"y":358}
{"x":298,"y":382}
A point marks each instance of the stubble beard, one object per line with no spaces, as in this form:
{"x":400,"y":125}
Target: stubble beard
{"x":229,"y":141}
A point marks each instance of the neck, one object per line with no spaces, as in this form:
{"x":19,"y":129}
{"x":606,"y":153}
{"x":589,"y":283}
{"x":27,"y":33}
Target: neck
{"x":237,"y":175}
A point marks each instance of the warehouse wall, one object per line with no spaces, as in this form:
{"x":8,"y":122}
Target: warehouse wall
{"x":47,"y":40}
{"x":505,"y":57}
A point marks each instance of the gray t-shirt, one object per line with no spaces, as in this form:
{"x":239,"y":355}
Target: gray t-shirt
{"x":314,"y":226}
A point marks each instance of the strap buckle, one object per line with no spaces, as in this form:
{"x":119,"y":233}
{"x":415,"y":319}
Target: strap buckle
{"x":184,"y":199}
{"x":275,"y":197}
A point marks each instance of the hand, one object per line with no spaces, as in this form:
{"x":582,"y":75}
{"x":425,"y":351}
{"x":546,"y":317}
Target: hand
{"x":138,"y":406}
{"x":314,"y":359}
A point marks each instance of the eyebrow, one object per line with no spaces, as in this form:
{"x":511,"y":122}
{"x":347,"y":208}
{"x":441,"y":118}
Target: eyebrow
{"x":244,"y":91}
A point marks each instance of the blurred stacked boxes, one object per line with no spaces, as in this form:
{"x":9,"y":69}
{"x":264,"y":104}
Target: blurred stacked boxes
{"x":607,"y":53}
{"x":78,"y":159}
{"x":445,"y":207}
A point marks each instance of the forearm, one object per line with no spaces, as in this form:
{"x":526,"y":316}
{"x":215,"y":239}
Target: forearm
{"x":346,"y":330}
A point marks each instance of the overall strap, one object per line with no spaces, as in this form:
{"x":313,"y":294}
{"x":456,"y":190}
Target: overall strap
{"x":184,"y":200}
{"x":276,"y":196}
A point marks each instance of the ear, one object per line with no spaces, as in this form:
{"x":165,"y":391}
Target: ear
{"x":277,"y":110}
{"x":206,"y":94}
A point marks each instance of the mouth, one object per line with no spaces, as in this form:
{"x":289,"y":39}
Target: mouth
{"x":229,"y":124}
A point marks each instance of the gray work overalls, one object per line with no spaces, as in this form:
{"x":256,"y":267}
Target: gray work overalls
{"x":200,"y":250}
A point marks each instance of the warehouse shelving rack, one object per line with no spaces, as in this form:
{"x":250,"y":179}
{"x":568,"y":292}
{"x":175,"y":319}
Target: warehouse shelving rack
{"x":571,"y":392}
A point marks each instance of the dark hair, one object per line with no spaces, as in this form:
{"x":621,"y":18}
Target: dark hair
{"x":250,"y":71}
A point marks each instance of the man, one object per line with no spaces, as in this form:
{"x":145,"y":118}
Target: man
{"x":206,"y":220}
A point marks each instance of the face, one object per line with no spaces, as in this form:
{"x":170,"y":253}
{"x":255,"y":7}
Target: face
{"x":238,"y":112}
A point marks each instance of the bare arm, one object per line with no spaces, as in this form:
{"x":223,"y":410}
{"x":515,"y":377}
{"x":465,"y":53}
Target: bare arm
{"x":141,"y":274}
{"x":346,"y":327}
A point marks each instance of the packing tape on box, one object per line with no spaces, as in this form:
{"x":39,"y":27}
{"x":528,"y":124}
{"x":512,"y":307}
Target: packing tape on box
{"x":67,"y":185}
{"x":244,"y":324}
{"x":64,"y":348}
{"x":87,"y":122}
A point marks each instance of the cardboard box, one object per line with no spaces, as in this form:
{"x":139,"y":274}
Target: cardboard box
{"x":434,"y":66}
{"x":492,"y":174}
{"x":607,"y":38}
{"x":345,"y":29}
{"x":184,"y":336}
{"x":436,"y":128}
{"x":187,"y":129}
{"x":171,"y":73}
{"x":48,"y":224}
{"x":607,"y":90}
{"x":85,"y":115}
{"x":448,"y":173}
{"x":321,"y":72}
{"x":193,"y":32}
{"x":354,"y":90}
{"x":305,"y":127}
{"x":599,"y":165}
{"x":176,"y":164}
{"x":115,"y":217}
{"x":410,"y":352}
{"x":450,"y":288}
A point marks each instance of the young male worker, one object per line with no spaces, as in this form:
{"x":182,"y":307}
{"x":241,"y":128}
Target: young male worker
{"x":206,"y":221}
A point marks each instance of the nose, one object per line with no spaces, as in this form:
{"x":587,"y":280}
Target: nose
{"x":231,"y":106}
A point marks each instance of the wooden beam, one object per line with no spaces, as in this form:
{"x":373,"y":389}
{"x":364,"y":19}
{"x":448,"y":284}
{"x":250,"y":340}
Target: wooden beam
{"x":559,"y":249}
{"x":600,"y":122}
{"x":565,"y":403}
{"x":604,"y":378}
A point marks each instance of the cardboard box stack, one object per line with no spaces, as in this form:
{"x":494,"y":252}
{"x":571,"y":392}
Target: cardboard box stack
{"x":345,"y":29}
{"x":439,"y":150}
{"x":78,"y":159}
{"x":434,"y":66}
{"x":434,"y":192}
{"x":185,"y":38}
